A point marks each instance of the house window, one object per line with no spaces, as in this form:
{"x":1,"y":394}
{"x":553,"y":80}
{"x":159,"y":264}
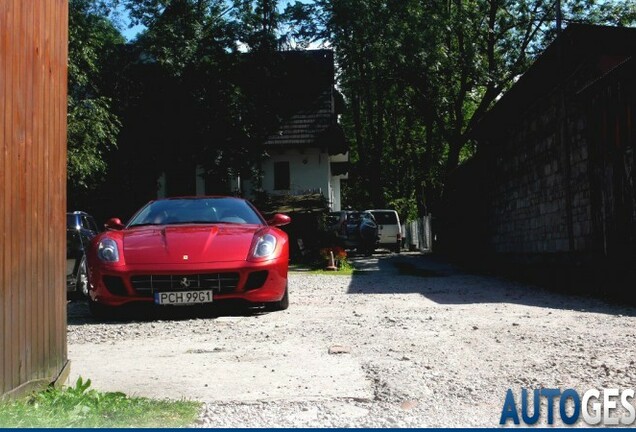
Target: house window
{"x":281,"y":175}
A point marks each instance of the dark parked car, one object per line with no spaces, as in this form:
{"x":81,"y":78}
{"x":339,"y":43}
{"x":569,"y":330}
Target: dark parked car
{"x":335,"y":223}
{"x":353,"y":230}
{"x":80,"y":229}
{"x":362,"y":232}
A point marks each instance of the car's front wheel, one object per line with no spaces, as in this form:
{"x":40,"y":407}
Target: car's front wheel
{"x":282,"y":304}
{"x":81,"y":285}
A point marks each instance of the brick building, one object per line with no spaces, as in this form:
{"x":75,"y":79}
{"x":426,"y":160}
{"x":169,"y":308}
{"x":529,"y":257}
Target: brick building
{"x":551,"y":189}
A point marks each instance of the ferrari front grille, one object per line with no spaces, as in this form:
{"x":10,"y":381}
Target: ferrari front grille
{"x":219,"y":282}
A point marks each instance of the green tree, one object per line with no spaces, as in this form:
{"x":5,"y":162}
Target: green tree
{"x":418,"y":76}
{"x":92,"y":124}
{"x":190,"y":96}
{"x":216,"y":72}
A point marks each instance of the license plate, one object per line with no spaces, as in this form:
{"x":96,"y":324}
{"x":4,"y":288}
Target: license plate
{"x":183,"y":297}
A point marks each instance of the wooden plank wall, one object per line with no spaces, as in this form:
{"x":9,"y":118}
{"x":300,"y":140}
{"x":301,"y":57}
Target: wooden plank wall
{"x":33,"y":70}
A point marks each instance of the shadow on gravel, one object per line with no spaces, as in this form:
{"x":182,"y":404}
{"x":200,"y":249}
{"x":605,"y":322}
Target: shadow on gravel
{"x":445,"y":284}
{"x":78,"y":313}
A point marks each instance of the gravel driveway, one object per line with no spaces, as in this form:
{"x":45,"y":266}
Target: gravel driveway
{"x":408,"y":342}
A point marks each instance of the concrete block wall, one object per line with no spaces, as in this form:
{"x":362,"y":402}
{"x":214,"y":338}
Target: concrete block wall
{"x":534,"y":183}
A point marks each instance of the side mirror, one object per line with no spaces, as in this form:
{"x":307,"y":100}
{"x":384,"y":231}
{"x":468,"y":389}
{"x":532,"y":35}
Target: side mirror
{"x":114,"y":224}
{"x":279,"y":220}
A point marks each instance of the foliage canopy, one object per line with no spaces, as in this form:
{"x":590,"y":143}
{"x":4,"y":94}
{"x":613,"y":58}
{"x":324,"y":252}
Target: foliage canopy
{"x":417,"y":77}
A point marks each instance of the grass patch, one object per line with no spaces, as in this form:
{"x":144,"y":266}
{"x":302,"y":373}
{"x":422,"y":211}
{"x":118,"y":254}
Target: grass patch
{"x":317,"y":269}
{"x":80,"y":406}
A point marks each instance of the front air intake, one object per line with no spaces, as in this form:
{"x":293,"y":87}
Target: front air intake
{"x":256,"y":280}
{"x":115,"y":285}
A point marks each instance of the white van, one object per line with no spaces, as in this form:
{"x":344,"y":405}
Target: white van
{"x":389,"y":229}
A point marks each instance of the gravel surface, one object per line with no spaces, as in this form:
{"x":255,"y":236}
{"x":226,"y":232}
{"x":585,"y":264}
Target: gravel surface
{"x":409,"y":342}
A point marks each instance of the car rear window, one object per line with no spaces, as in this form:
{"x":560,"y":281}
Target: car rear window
{"x":385,"y":218}
{"x":354,"y":217}
{"x":71,"y":221}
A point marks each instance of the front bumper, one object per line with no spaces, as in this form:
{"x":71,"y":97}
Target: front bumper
{"x":256,"y":282}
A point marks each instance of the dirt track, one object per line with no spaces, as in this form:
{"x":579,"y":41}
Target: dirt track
{"x":410,"y":342}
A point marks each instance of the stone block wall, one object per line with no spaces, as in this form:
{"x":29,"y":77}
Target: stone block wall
{"x":539,"y":184}
{"x":551,"y":194}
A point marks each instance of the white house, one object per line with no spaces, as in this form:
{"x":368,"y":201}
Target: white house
{"x":308,"y":152}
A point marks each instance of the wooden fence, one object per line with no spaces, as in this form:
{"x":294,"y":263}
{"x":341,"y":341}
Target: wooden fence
{"x":33,"y":69}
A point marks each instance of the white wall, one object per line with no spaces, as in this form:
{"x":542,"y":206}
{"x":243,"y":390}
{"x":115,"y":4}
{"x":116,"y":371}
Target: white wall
{"x":335,"y":194}
{"x":309,"y":170}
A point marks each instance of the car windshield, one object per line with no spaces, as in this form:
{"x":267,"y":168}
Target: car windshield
{"x":196,"y":211}
{"x":384,"y":217}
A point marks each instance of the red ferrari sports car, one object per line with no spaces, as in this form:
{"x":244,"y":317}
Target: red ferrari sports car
{"x":191,"y":250}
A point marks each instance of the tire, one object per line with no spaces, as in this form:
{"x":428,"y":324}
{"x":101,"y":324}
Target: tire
{"x":99,"y":311}
{"x":280,"y":305}
{"x":81,"y":285}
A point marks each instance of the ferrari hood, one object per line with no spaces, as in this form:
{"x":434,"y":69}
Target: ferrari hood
{"x":188,"y":244}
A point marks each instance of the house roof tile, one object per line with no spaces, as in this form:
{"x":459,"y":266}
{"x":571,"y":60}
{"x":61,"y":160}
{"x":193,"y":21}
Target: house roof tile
{"x":312,"y":121}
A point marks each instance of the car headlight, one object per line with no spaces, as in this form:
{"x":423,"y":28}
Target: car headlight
{"x":107,"y":250}
{"x":265,"y":246}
